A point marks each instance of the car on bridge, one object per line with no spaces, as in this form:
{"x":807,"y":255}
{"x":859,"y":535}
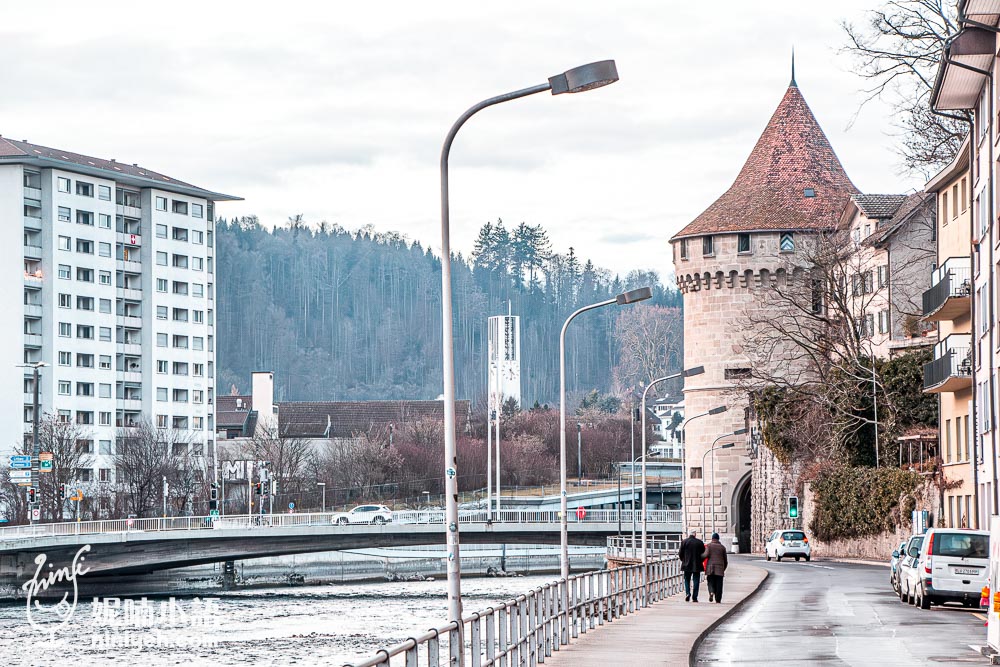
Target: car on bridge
{"x":785,"y":543}
{"x":366,"y":514}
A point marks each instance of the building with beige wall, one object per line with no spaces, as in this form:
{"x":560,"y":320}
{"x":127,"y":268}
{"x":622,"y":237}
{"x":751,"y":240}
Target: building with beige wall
{"x":948,"y":303}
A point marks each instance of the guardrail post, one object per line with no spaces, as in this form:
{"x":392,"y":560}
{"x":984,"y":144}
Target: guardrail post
{"x":412,"y":655}
{"x":455,"y":644}
{"x":490,"y":636}
{"x":434,"y":651}
{"x":502,"y":631}
{"x":522,"y":611}
{"x":515,"y":622}
{"x":474,"y":631}
{"x":602,"y":605}
{"x":547,"y":620}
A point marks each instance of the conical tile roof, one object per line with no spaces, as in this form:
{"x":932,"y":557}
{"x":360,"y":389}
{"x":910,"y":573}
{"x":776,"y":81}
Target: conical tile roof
{"x":791,"y":157}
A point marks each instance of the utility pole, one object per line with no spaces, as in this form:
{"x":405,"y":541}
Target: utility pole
{"x":35,"y":408}
{"x":579,"y":455}
{"x":489,"y":462}
{"x":166,"y":490}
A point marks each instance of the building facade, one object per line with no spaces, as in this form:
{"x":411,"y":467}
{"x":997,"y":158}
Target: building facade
{"x":791,"y":187}
{"x":111,"y":275}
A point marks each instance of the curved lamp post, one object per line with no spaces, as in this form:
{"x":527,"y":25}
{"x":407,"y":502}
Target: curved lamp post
{"x":625,"y":298}
{"x":718,"y":410}
{"x":579,"y":79}
{"x":727,"y":445}
{"x":697,"y":370}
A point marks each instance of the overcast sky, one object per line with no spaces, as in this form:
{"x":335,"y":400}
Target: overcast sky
{"x":337,"y":110}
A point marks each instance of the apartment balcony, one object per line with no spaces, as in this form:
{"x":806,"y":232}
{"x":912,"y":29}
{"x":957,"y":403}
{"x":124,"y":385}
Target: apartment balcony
{"x":129,"y":211}
{"x":129,"y":348}
{"x":130,"y":376}
{"x":949,"y":296}
{"x":33,"y":252}
{"x":31,"y":223}
{"x":130,"y":321}
{"x":951,"y":369}
{"x":130,"y":404}
{"x":33,"y":340}
{"x":129,"y":266}
{"x":129,"y":293}
{"x":32,"y":193}
{"x":125,"y":238}
{"x":33,"y":311}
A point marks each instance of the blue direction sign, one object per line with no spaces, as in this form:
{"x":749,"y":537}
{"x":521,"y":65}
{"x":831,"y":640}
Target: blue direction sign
{"x":19,"y":474}
{"x":16,"y":465}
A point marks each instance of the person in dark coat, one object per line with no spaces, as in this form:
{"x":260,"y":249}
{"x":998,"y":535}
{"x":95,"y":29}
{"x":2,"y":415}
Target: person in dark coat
{"x":690,"y":557}
{"x":715,"y":570}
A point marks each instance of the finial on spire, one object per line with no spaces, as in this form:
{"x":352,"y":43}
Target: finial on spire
{"x":792,"y":83}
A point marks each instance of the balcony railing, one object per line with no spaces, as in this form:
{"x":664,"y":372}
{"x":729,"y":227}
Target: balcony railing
{"x":951,"y":369}
{"x":950,"y":290}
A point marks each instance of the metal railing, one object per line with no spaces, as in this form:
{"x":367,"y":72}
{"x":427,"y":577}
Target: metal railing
{"x":657,"y":546}
{"x":512,"y":517}
{"x":951,"y":359}
{"x":531,"y":627}
{"x":951,"y":280}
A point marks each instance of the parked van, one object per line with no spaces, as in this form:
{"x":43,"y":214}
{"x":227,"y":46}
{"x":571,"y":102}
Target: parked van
{"x":953,"y":566}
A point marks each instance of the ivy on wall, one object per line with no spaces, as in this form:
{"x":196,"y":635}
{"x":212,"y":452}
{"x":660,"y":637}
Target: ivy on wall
{"x":861,"y":501}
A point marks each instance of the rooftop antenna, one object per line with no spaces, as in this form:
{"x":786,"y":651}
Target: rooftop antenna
{"x":792,"y":83}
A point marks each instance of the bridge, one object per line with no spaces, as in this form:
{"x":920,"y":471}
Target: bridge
{"x":140,"y":546}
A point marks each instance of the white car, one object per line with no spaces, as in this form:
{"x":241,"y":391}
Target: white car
{"x":953,"y":566}
{"x":377,"y":514}
{"x":908,"y":562}
{"x":785,"y":543}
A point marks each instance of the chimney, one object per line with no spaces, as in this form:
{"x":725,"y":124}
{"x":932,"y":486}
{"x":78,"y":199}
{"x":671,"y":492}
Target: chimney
{"x":262,"y":390}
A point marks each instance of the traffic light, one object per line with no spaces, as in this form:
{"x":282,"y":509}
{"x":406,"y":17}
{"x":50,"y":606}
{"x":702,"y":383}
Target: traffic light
{"x":214,"y":493}
{"x":213,"y":505}
{"x":259,"y":487}
{"x":32,"y":495}
{"x":62,"y":492}
{"x":793,"y":507}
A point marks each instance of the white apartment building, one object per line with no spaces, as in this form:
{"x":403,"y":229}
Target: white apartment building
{"x":110,"y":275}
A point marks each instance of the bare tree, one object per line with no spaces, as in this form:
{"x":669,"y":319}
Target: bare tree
{"x":650,"y":345}
{"x":896,"y":50}
{"x":144,"y":455}
{"x":362,"y":465}
{"x":289,"y":459}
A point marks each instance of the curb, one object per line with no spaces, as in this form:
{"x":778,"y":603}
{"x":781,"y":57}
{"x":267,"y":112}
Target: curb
{"x":717,"y":622}
{"x":859,"y":561}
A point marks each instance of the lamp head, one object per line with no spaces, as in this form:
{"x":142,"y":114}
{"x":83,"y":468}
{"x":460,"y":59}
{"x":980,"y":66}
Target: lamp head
{"x":727,"y":445}
{"x":584,"y":78}
{"x":690,"y":372}
{"x":640,"y":294}
{"x":718,"y":410}
{"x":740,"y":431}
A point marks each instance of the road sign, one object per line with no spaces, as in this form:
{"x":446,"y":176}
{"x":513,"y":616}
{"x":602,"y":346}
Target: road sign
{"x":214,"y":513}
{"x":129,"y":521}
{"x":19,"y":474}
{"x":45,"y":465}
{"x":36,"y":514}
{"x":45,"y":456}
{"x":20,"y":458}
{"x":291,"y":506}
{"x":20,"y":465}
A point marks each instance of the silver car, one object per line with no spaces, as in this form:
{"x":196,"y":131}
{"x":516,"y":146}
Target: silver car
{"x":908,"y":564}
{"x":376,"y":514}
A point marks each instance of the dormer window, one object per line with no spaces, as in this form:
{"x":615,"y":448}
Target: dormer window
{"x":743,"y":244}
{"x":809,"y":192}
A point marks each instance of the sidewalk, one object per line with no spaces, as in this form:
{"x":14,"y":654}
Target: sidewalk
{"x":663,"y":634}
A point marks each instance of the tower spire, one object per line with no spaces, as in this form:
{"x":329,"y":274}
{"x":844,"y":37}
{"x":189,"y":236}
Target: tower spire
{"x":792,"y":82}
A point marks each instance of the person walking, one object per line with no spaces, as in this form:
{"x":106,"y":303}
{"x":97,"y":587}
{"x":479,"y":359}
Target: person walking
{"x":691,"y":564}
{"x":715,"y":569}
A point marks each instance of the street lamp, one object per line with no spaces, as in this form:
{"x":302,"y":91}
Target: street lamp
{"x":322,"y":485}
{"x":35,"y":451}
{"x":579,"y":79}
{"x":727,"y":445}
{"x":690,"y":372}
{"x":625,"y":298}
{"x":718,"y":410}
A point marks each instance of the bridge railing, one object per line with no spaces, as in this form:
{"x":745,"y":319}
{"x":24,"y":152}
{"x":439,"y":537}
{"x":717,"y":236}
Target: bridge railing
{"x":531,"y":627}
{"x":629,"y":547}
{"x":157,"y":524}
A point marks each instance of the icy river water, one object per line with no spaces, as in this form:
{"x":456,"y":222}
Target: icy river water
{"x":307,"y":625}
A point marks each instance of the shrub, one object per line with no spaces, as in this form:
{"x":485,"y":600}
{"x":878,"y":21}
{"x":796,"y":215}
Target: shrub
{"x":861,"y":501}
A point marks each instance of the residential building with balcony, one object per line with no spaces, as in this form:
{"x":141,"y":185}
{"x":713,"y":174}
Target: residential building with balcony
{"x":110,"y":276}
{"x":965,"y":81}
{"x":948,"y":303}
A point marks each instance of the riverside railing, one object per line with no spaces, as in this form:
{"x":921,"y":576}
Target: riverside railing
{"x":531,"y":627}
{"x":629,"y":547}
{"x":325,"y":519}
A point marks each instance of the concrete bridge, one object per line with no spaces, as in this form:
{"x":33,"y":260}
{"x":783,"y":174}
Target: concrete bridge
{"x":140,"y":546}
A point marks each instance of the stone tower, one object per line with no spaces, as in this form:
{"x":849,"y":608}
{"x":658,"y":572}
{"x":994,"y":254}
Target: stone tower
{"x":790,"y":187}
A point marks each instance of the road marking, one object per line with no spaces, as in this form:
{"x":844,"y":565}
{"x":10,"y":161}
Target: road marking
{"x":825,"y":567}
{"x":979,"y":616}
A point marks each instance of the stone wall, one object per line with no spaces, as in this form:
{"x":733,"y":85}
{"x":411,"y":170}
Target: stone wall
{"x":772,"y":483}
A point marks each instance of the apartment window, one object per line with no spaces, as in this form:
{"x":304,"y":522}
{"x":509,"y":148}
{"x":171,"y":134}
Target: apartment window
{"x":211,"y":317}
{"x":65,"y":358}
{"x":84,"y":275}
{"x":181,"y":288}
{"x":197,"y":263}
{"x":211,"y":348}
{"x":737,"y":373}
{"x":64,"y":214}
{"x":64,"y":416}
{"x":62,"y":184}
{"x":197,"y":395}
{"x":199,"y":370}
{"x":161,"y":366}
{"x":787,"y":243}
{"x":197,"y":211}
{"x":883,"y":275}
{"x":198,"y":343}
{"x":197,"y":423}
{"x":162,"y":394}
{"x":944,"y":207}
{"x":180,"y":342}
{"x":85,"y":218}
{"x":65,"y":329}
{"x":161,"y":203}
{"x":180,"y":315}
{"x":84,"y":189}
{"x":965,"y":196}
{"x":104,"y":446}
{"x":161,"y":285}
{"x":197,"y":237}
{"x":209,"y":237}
{"x":179,"y":207}
{"x":104,"y":192}
{"x":180,"y":261}
{"x":105,"y":362}
{"x":161,"y":340}
{"x":743,"y":243}
{"x":180,"y":368}
{"x":84,"y":388}
{"x":104,"y":277}
{"x":104,"y":390}
{"x":104,"y":221}
{"x":883,"y":321}
{"x":105,"y":420}
{"x":161,"y":259}
{"x":105,"y":305}
{"x":161,"y":312}
{"x":197,"y":289}
{"x":162,"y":421}
{"x":868,"y":231}
{"x":161,"y":231}
{"x":180,"y":396}
{"x":104,"y":249}
{"x":869,"y":325}
{"x":84,"y":303}
{"x":210,"y":265}
{"x":180,"y":423}
{"x":65,"y":300}
{"x":198,"y":316}
{"x":867,"y":282}
{"x":65,"y":388}
{"x":65,"y":243}
{"x":696,"y":472}
{"x":106,"y":334}
{"x":85,"y":331}
{"x":84,"y":360}
{"x":707,"y":246}
{"x":180,"y":234}
{"x":65,"y":272}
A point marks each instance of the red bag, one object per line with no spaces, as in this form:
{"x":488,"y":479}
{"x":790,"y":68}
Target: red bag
{"x":704,"y":565}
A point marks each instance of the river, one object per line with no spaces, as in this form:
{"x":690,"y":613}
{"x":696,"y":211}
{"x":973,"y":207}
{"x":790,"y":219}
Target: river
{"x":306,"y":625}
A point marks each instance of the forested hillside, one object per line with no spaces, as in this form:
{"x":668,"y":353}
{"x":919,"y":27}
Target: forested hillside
{"x":356,"y":315}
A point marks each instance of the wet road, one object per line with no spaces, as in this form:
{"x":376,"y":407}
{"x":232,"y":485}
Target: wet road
{"x":826,"y":613}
